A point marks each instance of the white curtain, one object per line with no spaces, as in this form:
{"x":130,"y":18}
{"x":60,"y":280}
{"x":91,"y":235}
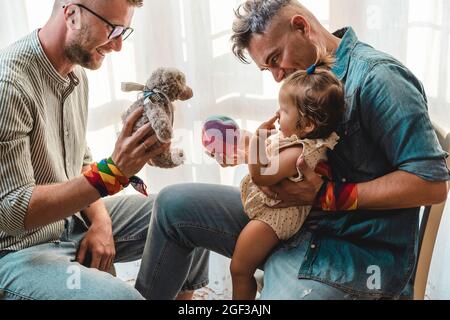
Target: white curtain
{"x":193,"y":35}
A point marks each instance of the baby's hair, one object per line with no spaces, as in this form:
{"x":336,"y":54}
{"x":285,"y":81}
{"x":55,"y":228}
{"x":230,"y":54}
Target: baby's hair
{"x":319,"y":96}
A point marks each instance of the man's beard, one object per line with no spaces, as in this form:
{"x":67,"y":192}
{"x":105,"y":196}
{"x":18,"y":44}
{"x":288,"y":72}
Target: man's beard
{"x":78,"y":55}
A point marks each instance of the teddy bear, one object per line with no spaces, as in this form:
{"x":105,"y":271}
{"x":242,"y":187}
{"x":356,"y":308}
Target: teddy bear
{"x":165,"y":86}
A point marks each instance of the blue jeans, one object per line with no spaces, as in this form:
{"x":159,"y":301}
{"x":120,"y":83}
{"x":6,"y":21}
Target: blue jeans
{"x":187,"y":221}
{"x":190,"y":219}
{"x":49,"y":271}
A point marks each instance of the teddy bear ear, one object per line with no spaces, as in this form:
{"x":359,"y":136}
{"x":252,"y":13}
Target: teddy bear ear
{"x":132,"y":86}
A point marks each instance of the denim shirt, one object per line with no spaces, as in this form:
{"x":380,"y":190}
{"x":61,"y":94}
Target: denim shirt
{"x":386,"y":128}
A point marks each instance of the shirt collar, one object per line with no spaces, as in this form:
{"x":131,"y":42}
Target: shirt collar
{"x":47,"y":66}
{"x":348,"y":43}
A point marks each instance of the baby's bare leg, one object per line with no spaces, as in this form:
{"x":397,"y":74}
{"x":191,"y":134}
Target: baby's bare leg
{"x":254,"y":244}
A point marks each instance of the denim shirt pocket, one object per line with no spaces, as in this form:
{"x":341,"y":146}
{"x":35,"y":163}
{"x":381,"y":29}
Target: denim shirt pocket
{"x":350,"y":153}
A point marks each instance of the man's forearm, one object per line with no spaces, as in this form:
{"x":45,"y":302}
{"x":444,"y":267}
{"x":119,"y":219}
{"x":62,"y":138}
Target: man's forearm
{"x":400,"y":190}
{"x":52,"y":203}
{"x":97,"y":213}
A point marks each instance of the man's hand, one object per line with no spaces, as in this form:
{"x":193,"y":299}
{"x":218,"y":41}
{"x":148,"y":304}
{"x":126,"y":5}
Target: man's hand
{"x":99,"y":243}
{"x":296,"y":194}
{"x":133,"y":151}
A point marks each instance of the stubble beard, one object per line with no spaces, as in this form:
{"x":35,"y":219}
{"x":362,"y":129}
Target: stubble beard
{"x":77,"y":54}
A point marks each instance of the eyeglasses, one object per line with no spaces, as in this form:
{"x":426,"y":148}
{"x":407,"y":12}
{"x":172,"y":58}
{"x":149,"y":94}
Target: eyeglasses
{"x":117,"y":31}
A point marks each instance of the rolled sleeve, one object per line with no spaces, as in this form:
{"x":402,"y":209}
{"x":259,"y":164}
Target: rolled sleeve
{"x":13,"y":210}
{"x":16,"y":172}
{"x":396,"y":115}
{"x":429,"y":170}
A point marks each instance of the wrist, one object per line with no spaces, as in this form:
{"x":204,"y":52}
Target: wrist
{"x":101,"y":224}
{"x":337,"y":196}
{"x":97,"y":214}
{"x":106,"y":178}
{"x":100,"y":218}
{"x":118,"y":165}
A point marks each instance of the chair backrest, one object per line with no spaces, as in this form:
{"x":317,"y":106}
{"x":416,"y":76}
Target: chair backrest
{"x":429,"y":227}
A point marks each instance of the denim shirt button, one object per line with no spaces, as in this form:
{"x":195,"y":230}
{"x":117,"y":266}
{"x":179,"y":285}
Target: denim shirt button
{"x":313,"y":246}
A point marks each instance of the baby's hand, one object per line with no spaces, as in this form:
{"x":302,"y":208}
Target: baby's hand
{"x":268,"y":128}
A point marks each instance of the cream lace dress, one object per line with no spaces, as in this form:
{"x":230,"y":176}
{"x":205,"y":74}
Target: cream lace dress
{"x":285,"y":222}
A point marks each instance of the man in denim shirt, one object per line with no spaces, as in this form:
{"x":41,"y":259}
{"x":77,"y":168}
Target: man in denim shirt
{"x":387,"y":147}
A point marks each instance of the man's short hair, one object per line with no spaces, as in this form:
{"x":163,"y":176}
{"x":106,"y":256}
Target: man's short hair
{"x":136,"y":3}
{"x":253,"y":17}
{"x":59,"y":3}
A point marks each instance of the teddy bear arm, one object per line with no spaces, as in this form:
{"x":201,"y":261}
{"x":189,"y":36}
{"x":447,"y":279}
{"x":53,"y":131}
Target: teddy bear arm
{"x":161,"y":124}
{"x":168,"y":160}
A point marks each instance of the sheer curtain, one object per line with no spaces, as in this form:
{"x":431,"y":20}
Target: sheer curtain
{"x":193,"y":35}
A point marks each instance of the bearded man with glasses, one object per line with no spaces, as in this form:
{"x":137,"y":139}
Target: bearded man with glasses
{"x":57,"y":236}
{"x":93,"y":35}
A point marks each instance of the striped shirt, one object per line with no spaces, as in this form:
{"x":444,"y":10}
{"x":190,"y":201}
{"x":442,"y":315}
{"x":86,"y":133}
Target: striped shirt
{"x":43,"y":119}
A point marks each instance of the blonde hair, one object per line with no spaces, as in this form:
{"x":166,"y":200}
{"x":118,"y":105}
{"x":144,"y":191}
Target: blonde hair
{"x":60,"y":3}
{"x":136,"y":3}
{"x":318,"y":95}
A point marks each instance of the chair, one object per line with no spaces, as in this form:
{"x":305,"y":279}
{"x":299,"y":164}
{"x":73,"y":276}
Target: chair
{"x":429,"y":228}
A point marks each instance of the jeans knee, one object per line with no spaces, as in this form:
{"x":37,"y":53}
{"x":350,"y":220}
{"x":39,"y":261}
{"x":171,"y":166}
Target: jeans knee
{"x":163,"y":207}
{"x":126,"y":292}
{"x":171,"y":206}
{"x":101,"y":287}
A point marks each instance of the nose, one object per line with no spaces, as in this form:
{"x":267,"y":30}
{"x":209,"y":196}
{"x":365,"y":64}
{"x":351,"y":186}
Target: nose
{"x":116,"y":44}
{"x":186,"y":94}
{"x":278,"y":74}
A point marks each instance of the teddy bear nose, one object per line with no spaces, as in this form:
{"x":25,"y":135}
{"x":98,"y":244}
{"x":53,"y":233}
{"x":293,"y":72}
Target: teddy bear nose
{"x":187,"y":94}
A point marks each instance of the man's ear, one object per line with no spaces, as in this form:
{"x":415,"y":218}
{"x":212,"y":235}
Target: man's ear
{"x":72,"y":16}
{"x":299,"y":23}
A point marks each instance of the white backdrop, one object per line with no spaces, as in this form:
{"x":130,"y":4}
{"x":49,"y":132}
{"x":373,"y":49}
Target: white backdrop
{"x":193,"y":35}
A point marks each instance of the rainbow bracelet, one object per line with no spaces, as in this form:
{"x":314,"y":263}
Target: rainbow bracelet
{"x":109,"y":180}
{"x":337,"y":196}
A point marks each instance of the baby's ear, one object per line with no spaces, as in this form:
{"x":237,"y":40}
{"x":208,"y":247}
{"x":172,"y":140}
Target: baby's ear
{"x":309,"y":127}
